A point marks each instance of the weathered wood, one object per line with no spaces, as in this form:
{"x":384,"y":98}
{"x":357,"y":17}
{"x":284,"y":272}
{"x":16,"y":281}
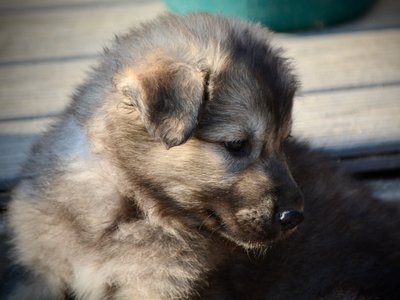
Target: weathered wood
{"x":16,"y":138}
{"x":29,"y":4}
{"x":372,"y":163}
{"x":349,"y":119}
{"x":345,"y":60}
{"x":34,"y":90}
{"x":60,"y":33}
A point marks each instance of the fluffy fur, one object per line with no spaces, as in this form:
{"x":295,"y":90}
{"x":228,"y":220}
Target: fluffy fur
{"x":173,"y":166}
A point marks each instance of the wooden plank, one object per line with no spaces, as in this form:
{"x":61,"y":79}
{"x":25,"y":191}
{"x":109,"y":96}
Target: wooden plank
{"x":63,"y":33}
{"x":27,"y":4}
{"x":16,"y":138}
{"x":24,"y":127}
{"x":14,"y":151}
{"x":372,"y":163}
{"x":346,"y":59}
{"x":32,"y":90}
{"x":32,"y":6}
{"x":359,"y":118}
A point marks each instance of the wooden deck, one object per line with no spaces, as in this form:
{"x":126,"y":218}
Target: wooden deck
{"x":349,"y":103}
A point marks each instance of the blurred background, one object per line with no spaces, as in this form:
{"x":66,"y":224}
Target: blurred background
{"x":347,"y":55}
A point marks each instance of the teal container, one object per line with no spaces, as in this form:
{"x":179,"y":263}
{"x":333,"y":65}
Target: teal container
{"x":279,"y":15}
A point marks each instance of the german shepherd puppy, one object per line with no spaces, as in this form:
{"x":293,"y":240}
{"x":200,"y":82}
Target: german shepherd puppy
{"x":173,"y":166}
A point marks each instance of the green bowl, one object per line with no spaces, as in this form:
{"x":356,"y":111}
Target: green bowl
{"x":279,"y":15}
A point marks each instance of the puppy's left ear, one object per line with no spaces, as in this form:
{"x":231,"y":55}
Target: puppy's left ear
{"x":168,"y":96}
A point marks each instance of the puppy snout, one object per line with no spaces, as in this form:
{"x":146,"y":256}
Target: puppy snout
{"x":285,"y":187}
{"x":290,"y":218}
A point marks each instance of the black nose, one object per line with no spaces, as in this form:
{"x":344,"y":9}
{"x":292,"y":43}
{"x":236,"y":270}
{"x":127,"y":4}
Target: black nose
{"x":290,"y":218}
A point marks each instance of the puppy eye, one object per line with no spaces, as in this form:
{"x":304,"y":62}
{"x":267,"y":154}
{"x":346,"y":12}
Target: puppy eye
{"x":287,"y":140}
{"x":237,"y":148}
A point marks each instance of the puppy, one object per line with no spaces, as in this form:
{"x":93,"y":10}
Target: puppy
{"x":173,"y":165}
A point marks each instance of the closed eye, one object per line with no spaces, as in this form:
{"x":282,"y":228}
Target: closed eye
{"x":238,"y":148}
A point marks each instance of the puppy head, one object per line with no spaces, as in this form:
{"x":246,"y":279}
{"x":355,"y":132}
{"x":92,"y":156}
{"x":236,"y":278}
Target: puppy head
{"x":223,"y":108}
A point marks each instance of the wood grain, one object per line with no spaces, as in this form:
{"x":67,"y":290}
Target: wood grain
{"x":345,"y":59}
{"x":60,"y":33}
{"x":39,"y":89}
{"x":349,"y":119}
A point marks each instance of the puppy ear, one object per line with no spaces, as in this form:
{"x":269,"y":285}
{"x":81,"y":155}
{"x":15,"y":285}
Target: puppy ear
{"x":168,"y":96}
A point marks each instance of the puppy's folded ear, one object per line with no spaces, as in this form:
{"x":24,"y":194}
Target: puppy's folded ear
{"x":168,"y":96}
